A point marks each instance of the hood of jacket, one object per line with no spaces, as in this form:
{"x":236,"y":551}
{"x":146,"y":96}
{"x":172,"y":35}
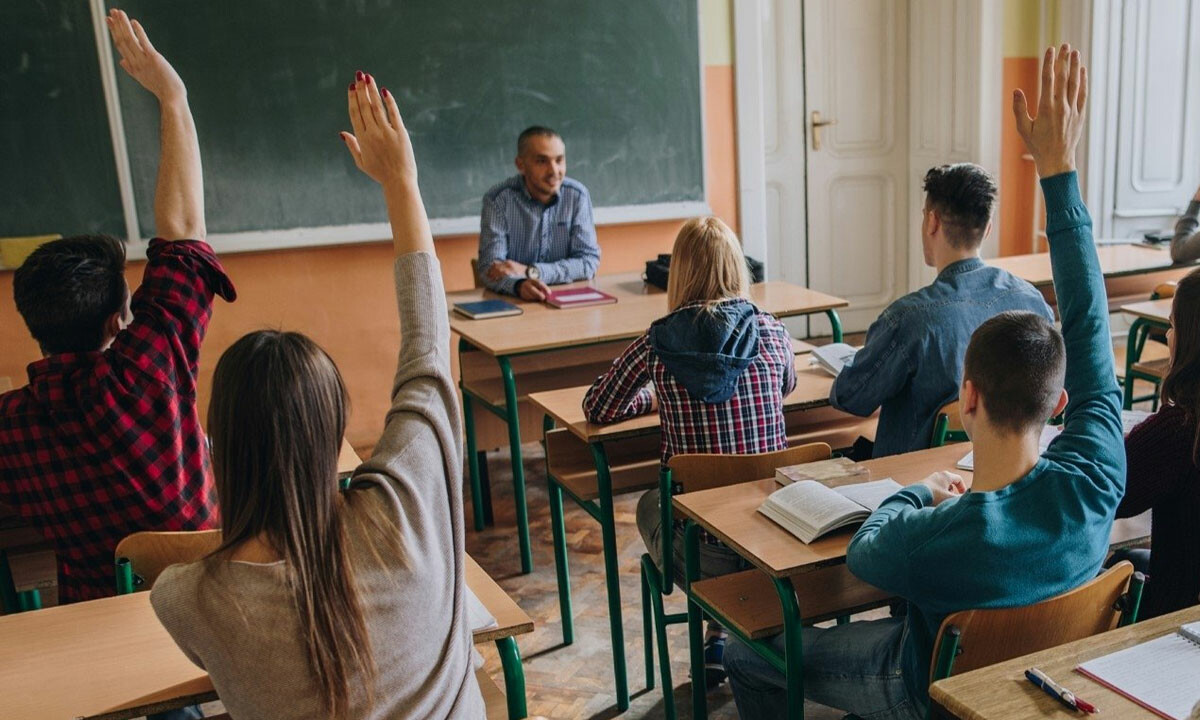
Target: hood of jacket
{"x":707,"y":349}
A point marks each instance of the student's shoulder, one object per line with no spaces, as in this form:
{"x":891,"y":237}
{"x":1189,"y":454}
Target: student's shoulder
{"x":573,"y":186}
{"x":176,"y":590}
{"x":908,"y":309}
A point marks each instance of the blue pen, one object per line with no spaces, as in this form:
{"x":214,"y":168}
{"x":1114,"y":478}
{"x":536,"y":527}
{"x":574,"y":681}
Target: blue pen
{"x":1056,"y":691}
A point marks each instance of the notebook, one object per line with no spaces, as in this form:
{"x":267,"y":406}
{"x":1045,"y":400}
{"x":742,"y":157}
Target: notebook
{"x":1161,"y":675}
{"x":830,"y":473}
{"x":484,"y":309}
{"x":478,"y":616}
{"x":833,"y":357}
{"x":578,"y":297}
{"x":808,"y":509}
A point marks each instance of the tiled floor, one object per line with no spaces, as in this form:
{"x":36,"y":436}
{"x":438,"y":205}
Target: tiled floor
{"x":576,"y":681}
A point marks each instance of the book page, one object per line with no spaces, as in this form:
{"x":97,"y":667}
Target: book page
{"x":870,"y":494}
{"x":478,"y":616}
{"x":1162,"y":674}
{"x":1191,"y":631}
{"x":578,"y":297}
{"x":814,"y":504}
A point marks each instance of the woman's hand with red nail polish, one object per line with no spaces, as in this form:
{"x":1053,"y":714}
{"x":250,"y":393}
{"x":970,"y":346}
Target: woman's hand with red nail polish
{"x":380,"y":144}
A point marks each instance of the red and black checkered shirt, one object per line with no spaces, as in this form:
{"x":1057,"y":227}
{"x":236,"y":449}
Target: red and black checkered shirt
{"x":103,"y":444}
{"x":749,"y":422}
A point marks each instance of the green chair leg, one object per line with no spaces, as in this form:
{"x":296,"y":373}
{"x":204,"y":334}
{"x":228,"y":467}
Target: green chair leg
{"x":559,"y":534}
{"x":793,"y":648}
{"x":612,"y":578}
{"x":513,"y":419}
{"x":647,"y":628}
{"x":1131,"y":601}
{"x":29,"y":600}
{"x":477,"y":511}
{"x":514,"y":677}
{"x":695,"y":619}
{"x":125,"y":581}
{"x":652,"y":578}
{"x":835,"y":321}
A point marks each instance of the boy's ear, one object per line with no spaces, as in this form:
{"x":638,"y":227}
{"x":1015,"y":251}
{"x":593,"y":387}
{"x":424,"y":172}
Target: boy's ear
{"x":968,"y":398}
{"x":1061,"y":405}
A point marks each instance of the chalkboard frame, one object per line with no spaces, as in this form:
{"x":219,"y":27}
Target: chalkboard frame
{"x":267,"y":240}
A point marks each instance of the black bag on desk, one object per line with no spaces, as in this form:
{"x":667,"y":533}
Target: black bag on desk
{"x":658,"y":269}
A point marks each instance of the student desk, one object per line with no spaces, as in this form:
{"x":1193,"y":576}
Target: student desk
{"x":1148,"y":315}
{"x":565,"y":407}
{"x":543,"y":329}
{"x":111,"y":658}
{"x":731,"y":513}
{"x":1000,"y":692}
{"x":1130,"y":271}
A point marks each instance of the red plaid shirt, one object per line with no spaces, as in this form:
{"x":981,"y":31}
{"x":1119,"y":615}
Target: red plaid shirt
{"x":749,"y":422}
{"x":103,"y":444}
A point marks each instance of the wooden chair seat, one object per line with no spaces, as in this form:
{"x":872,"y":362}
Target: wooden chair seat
{"x":633,"y":464}
{"x":1151,"y":351}
{"x":151,"y":552}
{"x":1153,"y":368}
{"x":749,"y":602}
{"x":493,"y":697}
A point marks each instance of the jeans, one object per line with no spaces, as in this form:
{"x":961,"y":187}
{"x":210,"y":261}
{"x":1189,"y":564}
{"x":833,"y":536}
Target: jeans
{"x":191,"y":712}
{"x":1140,"y":557}
{"x":854,"y":668}
{"x":715,"y":560}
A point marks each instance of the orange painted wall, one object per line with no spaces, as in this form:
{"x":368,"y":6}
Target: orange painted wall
{"x":1018,"y":178}
{"x":342,"y":296}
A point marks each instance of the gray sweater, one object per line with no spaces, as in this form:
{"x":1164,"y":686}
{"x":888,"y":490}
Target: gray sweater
{"x":1185,"y":246}
{"x":237,"y":621}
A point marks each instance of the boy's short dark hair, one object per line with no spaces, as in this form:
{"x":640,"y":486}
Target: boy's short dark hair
{"x":533,"y":131}
{"x":1017,"y":362}
{"x":67,"y":289}
{"x":963,"y":196}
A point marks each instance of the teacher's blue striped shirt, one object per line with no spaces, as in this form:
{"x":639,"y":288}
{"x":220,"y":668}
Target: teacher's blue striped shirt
{"x":559,"y":238}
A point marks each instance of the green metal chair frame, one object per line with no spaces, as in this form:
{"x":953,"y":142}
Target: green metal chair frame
{"x":13,"y":601}
{"x":942,"y":434}
{"x":1140,"y":330}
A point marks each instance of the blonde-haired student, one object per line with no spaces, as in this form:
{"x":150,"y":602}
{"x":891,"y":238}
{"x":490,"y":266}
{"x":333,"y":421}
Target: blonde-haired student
{"x":716,"y":368}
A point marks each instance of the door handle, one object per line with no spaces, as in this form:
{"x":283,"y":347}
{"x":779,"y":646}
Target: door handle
{"x":817,"y":124}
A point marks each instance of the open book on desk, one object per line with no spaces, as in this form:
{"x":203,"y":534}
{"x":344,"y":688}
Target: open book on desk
{"x":833,"y":357}
{"x":1161,"y":675}
{"x":808,"y":509}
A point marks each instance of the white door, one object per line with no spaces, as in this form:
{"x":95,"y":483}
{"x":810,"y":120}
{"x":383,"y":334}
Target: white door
{"x":856,"y":77}
{"x":1158,"y":146}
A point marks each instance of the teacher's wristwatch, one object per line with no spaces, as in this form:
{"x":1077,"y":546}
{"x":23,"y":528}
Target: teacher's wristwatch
{"x":532,"y":273}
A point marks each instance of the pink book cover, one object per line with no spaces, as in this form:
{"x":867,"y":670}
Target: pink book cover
{"x":578,"y":297}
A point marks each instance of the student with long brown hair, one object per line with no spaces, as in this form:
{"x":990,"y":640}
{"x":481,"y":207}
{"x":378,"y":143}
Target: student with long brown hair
{"x":717,"y":369}
{"x":1163,"y":455}
{"x":321,"y":603}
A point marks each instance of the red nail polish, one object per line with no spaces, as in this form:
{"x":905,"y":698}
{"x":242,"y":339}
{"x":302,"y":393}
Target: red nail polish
{"x":370,"y":79}
{"x":385,"y":92}
{"x":352,"y":87}
{"x":358,"y":75}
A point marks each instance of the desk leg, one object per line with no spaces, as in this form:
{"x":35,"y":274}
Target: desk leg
{"x":513,"y":419}
{"x":792,"y":647}
{"x":612,"y":577}
{"x":472,"y":460}
{"x":514,"y":677}
{"x":559,"y":533}
{"x":835,"y":321}
{"x":691,"y":554}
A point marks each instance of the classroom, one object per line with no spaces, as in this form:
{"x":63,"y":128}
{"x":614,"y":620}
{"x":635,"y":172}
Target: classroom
{"x":655,"y":359}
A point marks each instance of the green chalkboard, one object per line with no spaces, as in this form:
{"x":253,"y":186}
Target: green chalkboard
{"x":57,"y":168}
{"x":619,"y":79}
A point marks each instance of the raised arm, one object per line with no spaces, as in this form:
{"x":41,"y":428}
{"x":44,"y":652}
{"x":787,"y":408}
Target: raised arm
{"x":1093,"y":415}
{"x":179,"y":195}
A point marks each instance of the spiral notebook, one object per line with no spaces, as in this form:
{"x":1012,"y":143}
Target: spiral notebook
{"x":1161,"y":675}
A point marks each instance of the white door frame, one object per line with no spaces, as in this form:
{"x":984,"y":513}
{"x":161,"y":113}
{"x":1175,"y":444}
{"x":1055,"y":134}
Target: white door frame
{"x":973,"y":135}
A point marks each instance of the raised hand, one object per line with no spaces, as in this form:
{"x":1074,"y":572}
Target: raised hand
{"x":1051,"y":137}
{"x":141,"y":60}
{"x":380,"y":144}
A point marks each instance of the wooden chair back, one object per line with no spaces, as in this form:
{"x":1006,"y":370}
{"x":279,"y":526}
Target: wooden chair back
{"x":1164,"y":290}
{"x":149,"y":553}
{"x":478,"y":281}
{"x":702,"y":471}
{"x":972,"y":639}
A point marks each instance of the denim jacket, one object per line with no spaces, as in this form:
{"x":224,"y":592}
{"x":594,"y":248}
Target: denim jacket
{"x":911,"y":364}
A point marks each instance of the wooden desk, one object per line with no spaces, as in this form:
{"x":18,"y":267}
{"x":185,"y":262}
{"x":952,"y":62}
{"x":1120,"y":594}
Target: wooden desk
{"x":1130,"y":271}
{"x":111,"y":658}
{"x":1149,"y":316}
{"x":543,"y":329}
{"x":731,"y":513}
{"x":1000,"y":692}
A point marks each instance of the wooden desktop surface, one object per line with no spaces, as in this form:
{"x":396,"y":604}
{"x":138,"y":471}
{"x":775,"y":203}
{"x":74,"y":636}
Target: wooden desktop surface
{"x":112,"y":658}
{"x":566,"y":406}
{"x":541,"y":327}
{"x":731,"y":513}
{"x":1001,"y":692}
{"x":1115,"y":261}
{"x":1158,"y":311}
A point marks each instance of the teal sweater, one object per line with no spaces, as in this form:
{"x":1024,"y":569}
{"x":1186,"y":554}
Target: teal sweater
{"x":1045,"y":533}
